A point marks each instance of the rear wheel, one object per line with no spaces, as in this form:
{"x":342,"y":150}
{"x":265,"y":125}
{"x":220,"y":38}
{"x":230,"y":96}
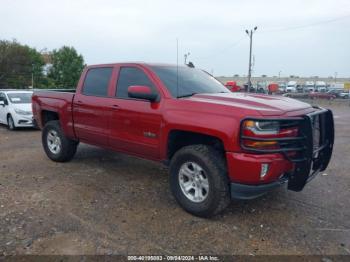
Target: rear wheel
{"x":10,"y":123}
{"x":57,"y":146}
{"x":198,"y":180}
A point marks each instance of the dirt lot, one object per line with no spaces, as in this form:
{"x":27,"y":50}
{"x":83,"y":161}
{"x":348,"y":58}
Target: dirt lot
{"x":109,"y":203}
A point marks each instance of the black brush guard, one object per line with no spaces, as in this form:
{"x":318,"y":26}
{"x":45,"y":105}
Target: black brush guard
{"x":310,"y":151}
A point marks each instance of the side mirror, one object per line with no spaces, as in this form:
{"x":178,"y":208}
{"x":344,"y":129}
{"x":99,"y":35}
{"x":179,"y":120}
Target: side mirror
{"x":142,"y":92}
{"x":2,"y":103}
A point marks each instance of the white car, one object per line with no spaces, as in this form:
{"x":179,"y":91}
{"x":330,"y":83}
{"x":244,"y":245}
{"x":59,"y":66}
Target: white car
{"x":16,"y":108}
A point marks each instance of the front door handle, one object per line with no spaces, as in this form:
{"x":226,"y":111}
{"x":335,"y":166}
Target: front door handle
{"x":115,"y":107}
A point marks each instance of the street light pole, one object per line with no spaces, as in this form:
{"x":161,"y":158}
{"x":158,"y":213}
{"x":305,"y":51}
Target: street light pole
{"x":250,"y":34}
{"x":186,"y":56}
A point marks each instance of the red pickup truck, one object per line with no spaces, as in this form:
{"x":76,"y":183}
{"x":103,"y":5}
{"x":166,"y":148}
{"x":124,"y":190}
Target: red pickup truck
{"x":218,"y":144}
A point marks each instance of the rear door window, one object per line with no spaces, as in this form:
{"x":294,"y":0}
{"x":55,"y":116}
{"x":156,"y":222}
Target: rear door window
{"x":97,"y":81}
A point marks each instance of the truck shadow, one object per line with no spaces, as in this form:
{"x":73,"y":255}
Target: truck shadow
{"x":153,"y":178}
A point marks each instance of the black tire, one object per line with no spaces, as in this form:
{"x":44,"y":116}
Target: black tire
{"x":214,"y":165}
{"x":10,"y":123}
{"x":67,"y":148}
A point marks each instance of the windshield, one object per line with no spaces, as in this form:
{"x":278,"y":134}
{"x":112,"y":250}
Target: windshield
{"x":185,"y":81}
{"x":20,"y":98}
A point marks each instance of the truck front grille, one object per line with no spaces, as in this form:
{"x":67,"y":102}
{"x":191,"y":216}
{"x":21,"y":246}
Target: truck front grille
{"x":316,"y":133}
{"x":310,"y":150}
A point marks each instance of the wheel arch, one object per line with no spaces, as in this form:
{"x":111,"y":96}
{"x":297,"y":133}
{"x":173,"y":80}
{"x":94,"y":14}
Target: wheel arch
{"x":178,"y":139}
{"x":47,"y":115}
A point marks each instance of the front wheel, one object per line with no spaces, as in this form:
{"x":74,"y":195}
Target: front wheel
{"x":10,"y":123}
{"x":57,"y":146}
{"x":198,"y":180}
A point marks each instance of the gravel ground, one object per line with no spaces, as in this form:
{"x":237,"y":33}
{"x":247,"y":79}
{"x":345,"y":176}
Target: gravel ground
{"x":108,"y":203}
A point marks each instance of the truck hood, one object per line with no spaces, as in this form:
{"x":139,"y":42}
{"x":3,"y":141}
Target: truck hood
{"x":264,"y":104}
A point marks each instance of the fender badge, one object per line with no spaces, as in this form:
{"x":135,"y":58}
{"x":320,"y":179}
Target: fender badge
{"x":149,"y":134}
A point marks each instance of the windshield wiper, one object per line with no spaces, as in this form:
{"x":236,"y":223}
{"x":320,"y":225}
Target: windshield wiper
{"x":187,"y":95}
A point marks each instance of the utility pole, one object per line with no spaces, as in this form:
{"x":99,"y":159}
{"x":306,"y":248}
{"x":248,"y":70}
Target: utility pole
{"x":186,"y":56}
{"x":335,"y":77}
{"x":32,"y":76}
{"x":250,"y":34}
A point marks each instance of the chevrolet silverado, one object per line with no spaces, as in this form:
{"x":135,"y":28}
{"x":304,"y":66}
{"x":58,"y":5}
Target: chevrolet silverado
{"x":218,"y":145}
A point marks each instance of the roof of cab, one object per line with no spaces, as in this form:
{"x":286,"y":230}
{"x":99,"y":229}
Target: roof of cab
{"x":134,"y":63}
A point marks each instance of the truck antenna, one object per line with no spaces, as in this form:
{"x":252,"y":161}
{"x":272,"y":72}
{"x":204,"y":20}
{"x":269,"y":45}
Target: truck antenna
{"x":177,"y":67}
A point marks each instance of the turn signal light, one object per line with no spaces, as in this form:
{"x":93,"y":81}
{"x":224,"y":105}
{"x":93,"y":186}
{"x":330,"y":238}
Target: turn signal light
{"x":260,"y":144}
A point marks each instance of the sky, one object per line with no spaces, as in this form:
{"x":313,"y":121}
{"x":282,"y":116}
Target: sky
{"x":294,"y":37}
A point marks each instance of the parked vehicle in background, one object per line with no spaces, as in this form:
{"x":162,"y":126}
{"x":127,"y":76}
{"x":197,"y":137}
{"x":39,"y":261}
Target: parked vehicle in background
{"x":282,"y":87}
{"x":291,"y":87}
{"x":218,"y":144}
{"x":16,"y":108}
{"x":320,"y":86}
{"x":296,"y":95}
{"x":309,"y":86}
{"x":336,"y":92}
{"x":336,"y":86}
{"x":322,"y":95}
{"x":300,"y":88}
{"x":344,"y":95}
{"x":273,"y":88}
{"x":261,"y":87}
{"x":232,"y":86}
{"x":252,"y":88}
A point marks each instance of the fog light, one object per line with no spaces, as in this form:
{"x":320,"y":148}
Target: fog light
{"x":264,"y":170}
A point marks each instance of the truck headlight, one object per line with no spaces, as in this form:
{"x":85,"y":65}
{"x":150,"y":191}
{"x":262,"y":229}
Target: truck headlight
{"x":262,"y":127}
{"x":22,"y":112}
{"x":266,"y":134}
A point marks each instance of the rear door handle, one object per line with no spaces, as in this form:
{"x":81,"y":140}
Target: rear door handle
{"x":115,"y":107}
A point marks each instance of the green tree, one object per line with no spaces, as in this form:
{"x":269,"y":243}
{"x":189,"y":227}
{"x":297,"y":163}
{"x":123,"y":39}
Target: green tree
{"x":18,"y":64}
{"x":67,"y":66}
